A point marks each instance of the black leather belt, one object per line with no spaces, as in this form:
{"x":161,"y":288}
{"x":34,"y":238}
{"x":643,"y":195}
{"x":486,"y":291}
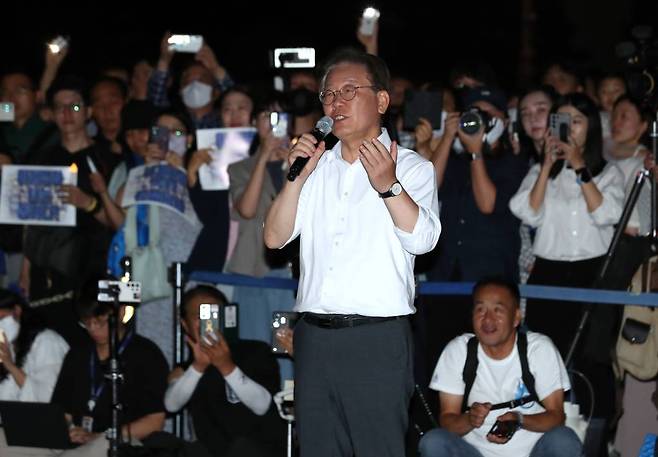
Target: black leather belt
{"x":343,"y":320}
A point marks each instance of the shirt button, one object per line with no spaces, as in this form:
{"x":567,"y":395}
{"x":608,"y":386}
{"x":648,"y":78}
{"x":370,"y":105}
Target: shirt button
{"x":459,"y":243}
{"x":462,"y":221}
{"x":574,"y":233}
{"x":574,"y":213}
{"x":331,"y":268}
{"x":345,"y":194}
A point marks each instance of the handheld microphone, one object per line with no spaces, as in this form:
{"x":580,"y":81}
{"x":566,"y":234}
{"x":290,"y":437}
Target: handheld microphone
{"x":321,"y":130}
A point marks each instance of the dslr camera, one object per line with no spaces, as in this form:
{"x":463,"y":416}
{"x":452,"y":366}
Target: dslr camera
{"x":473,"y":119}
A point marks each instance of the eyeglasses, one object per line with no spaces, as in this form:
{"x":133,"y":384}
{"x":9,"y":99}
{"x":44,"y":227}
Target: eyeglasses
{"x":98,"y":321}
{"x":73,"y":107}
{"x":347,"y":93}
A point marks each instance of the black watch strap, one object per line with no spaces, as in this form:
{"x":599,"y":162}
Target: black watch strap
{"x":583,"y":175}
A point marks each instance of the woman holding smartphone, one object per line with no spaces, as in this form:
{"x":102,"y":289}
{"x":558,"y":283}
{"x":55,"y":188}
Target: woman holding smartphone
{"x":573,"y":199}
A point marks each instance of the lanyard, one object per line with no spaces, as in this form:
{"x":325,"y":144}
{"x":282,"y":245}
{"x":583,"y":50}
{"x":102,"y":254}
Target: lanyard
{"x":97,"y":391}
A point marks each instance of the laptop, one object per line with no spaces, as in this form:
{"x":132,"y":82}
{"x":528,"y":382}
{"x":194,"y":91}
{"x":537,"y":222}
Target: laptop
{"x":41,"y":425}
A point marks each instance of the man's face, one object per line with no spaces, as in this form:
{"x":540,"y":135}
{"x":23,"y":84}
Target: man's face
{"x":17,"y":89}
{"x":70,"y":111}
{"x":107,"y":103}
{"x":360,"y":116}
{"x":137,"y":140}
{"x":495,"y":316}
{"x":196,"y":73}
{"x":563,"y":82}
{"x":191,"y":321}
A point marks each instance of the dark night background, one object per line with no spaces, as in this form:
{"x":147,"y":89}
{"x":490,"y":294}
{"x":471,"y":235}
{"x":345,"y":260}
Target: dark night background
{"x":419,"y":40}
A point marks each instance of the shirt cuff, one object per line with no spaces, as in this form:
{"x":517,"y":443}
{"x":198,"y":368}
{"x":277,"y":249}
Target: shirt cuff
{"x":422,"y":238}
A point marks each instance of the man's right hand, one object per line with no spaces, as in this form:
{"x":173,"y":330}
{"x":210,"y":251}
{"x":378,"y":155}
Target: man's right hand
{"x":165,"y":53}
{"x":478,"y":413}
{"x":201,"y":360}
{"x":307,"y":146}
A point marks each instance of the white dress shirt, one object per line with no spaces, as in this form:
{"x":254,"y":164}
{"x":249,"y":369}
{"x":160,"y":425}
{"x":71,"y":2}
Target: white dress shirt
{"x":353,"y":258}
{"x":41,"y":367}
{"x":566,"y":231}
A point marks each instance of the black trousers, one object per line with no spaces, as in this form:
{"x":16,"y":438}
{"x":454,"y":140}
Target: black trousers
{"x":352,"y":389}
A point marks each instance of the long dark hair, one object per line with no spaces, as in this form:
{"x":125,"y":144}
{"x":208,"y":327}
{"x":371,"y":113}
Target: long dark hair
{"x":31,"y":325}
{"x":593,"y":153}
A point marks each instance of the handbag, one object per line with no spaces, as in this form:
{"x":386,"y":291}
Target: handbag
{"x":148,"y":263}
{"x":637,"y":345}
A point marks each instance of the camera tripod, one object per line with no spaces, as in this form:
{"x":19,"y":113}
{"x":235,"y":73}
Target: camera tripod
{"x":649,"y":243}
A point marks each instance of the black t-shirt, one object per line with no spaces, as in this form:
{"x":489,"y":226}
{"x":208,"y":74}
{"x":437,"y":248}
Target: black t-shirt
{"x":218,"y":423}
{"x":144,"y":370}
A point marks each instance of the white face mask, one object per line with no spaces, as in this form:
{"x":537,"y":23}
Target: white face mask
{"x":490,"y":137}
{"x":178,"y":144}
{"x":196,"y":94}
{"x":10,"y":327}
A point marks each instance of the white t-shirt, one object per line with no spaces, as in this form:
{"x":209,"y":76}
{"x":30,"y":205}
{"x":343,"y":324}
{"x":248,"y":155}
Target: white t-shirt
{"x":41,"y":367}
{"x":500,"y":381}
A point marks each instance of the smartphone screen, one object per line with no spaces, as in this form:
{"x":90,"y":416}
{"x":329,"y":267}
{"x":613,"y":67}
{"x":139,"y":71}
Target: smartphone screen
{"x":279,"y":123}
{"x":208,"y":320}
{"x":428,"y":105}
{"x":7,"y":112}
{"x":504,"y":429}
{"x":281,"y":320}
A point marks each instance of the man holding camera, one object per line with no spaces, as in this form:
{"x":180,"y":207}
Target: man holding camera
{"x":502,"y":390}
{"x":364,"y":210}
{"x":227,"y":387}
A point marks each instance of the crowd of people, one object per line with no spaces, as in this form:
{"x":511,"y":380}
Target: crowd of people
{"x":378,"y":206}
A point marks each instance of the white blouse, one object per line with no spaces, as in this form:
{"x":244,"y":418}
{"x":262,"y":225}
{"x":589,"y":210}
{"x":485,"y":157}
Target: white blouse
{"x":41,"y":367}
{"x":566,"y":231}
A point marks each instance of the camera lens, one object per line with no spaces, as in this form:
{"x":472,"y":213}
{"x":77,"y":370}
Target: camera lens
{"x":470,"y":122}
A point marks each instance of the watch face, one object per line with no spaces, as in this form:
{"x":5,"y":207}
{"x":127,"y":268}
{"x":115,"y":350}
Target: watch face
{"x":396,"y":189}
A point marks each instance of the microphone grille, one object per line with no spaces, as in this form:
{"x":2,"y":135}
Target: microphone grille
{"x":325,"y":124}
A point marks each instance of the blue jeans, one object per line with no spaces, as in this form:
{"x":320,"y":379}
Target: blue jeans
{"x":559,"y":442}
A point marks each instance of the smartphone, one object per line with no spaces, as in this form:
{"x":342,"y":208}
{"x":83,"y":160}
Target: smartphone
{"x":208,"y":320}
{"x":7,"y":112}
{"x":425,"y":104}
{"x":369,"y":18}
{"x":282,"y":319}
{"x":58,"y":44}
{"x":279,"y":123}
{"x":185,"y":43}
{"x":504,"y":429}
{"x":293,"y":58}
{"x":160,"y":136}
{"x":560,"y":126}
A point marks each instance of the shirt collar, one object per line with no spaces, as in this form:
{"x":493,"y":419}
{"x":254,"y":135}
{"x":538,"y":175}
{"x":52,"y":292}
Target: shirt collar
{"x":335,"y":153}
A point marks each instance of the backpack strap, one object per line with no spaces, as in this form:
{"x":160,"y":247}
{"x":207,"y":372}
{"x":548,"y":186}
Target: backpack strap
{"x":526,"y":375}
{"x":470,"y":369}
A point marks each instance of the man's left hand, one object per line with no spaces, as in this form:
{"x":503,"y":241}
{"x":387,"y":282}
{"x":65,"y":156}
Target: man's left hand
{"x":508,"y":416}
{"x":379,"y":163}
{"x":215,"y":347}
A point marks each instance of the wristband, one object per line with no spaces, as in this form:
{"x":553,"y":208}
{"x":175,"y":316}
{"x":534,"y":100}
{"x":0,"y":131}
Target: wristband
{"x":583,"y":175}
{"x":519,"y":416}
{"x":92,"y":206}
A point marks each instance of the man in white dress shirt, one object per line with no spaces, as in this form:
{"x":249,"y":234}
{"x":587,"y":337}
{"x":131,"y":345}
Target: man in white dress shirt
{"x":363,"y":210}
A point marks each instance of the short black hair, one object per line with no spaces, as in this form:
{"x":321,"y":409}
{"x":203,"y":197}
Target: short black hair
{"x":113,"y":80}
{"x":87,"y":304}
{"x":202,"y":290}
{"x":378,"y":72}
{"x":499,"y":281}
{"x":68,"y":82}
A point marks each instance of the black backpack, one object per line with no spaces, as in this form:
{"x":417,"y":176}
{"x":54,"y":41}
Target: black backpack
{"x":471,"y":366}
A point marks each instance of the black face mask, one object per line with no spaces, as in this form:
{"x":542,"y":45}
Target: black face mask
{"x":301,"y":102}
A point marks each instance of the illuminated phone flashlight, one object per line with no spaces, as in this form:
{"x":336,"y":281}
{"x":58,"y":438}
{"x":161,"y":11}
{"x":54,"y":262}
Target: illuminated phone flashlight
{"x":274,"y":118}
{"x":371,"y":13}
{"x":57,"y":45}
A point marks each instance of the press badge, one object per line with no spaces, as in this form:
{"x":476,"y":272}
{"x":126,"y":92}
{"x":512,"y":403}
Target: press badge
{"x":87,"y":423}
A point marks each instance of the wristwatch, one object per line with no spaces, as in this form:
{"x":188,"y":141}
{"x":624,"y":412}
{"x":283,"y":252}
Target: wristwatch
{"x":583,"y":175}
{"x":394,"y":191}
